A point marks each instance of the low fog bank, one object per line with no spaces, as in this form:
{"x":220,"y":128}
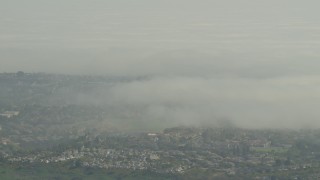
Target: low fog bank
{"x":196,"y":88}
{"x":185,"y":87}
{"x":165,"y":101}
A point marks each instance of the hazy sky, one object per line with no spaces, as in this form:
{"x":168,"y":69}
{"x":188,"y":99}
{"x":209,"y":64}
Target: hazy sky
{"x":252,"y":61}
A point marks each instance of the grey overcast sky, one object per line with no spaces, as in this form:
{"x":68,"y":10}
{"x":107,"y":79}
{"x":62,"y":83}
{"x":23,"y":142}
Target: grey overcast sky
{"x":254,"y":62}
{"x":127,"y":37}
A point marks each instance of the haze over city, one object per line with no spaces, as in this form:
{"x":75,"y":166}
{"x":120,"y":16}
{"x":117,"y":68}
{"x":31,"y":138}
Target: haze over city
{"x":247,"y":63}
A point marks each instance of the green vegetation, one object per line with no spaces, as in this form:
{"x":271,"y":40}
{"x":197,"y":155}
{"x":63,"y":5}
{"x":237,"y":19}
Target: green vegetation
{"x":63,"y":172}
{"x":277,"y":150}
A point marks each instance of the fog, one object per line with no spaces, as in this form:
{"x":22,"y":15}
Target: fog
{"x":248,"y":63}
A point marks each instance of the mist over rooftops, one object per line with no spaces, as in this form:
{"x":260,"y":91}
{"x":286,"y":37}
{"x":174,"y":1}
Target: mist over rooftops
{"x":254,"y":63}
